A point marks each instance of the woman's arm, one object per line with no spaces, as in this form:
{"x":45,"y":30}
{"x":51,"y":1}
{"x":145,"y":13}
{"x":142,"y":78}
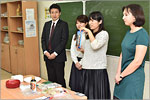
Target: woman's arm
{"x":119,"y":64}
{"x":90,"y":34}
{"x":98,"y":42}
{"x":72,"y":50}
{"x":117,"y":77}
{"x":81,"y":49}
{"x":135,"y":64}
{"x":73,"y":53}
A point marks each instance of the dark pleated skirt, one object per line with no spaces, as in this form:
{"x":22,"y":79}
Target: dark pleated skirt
{"x":95,"y":84}
{"x":75,"y":78}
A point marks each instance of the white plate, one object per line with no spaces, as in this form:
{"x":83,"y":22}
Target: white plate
{"x":28,"y":79}
{"x":19,"y":77}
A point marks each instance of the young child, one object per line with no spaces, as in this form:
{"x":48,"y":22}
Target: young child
{"x":77,"y":54}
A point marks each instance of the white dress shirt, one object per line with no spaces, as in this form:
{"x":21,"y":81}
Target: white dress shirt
{"x":73,"y":49}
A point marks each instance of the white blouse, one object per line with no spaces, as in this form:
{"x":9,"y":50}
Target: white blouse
{"x":73,"y":49}
{"x":95,"y":52}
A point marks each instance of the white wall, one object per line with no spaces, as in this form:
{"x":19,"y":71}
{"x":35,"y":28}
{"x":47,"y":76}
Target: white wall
{"x":112,"y":68}
{"x":41,"y":20}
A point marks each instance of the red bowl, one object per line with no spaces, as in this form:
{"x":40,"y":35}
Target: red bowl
{"x":12,"y":83}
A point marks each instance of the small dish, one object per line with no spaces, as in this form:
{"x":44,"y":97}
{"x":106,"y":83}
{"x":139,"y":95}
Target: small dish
{"x":20,"y":29}
{"x":20,"y":42}
{"x":5,"y":27}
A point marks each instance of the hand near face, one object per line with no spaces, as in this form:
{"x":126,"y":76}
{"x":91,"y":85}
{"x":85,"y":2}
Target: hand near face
{"x":84,"y":29}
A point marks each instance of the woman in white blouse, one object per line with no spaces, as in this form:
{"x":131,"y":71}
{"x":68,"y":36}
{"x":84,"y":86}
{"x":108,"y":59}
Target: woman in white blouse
{"x":77,"y":54}
{"x":95,"y":82}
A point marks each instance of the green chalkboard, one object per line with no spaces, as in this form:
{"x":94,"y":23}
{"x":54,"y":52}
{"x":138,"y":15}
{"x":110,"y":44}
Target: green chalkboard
{"x":69,"y":13}
{"x":112,"y":12}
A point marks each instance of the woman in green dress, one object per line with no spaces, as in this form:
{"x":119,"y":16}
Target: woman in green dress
{"x":130,"y":76}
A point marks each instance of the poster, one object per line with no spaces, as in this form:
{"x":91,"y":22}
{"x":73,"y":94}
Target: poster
{"x":30,"y":27}
{"x":47,"y":14}
{"x":30,"y":14}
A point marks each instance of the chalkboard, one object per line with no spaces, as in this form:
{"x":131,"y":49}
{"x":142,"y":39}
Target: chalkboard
{"x":69,"y":13}
{"x":112,"y":12}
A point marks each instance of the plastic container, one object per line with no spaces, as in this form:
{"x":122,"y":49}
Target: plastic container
{"x":13,"y":83}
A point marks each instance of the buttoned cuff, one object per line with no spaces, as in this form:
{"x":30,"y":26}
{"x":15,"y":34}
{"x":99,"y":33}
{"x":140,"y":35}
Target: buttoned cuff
{"x":45,"y":52}
{"x":55,"y":54}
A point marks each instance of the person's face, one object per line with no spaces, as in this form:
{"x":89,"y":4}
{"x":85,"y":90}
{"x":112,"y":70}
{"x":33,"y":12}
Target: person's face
{"x":94,"y":24}
{"x":80,"y":24}
{"x":128,"y":18}
{"x":55,"y":14}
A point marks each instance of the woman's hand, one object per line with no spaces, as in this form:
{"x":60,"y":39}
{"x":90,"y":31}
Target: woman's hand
{"x":80,"y":49}
{"x":78,"y":66}
{"x":85,"y":29}
{"x":90,"y":34}
{"x":117,"y":78}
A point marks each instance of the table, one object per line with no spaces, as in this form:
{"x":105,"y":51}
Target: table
{"x":16,"y":93}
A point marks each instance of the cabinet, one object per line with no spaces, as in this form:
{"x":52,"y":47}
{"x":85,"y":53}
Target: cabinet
{"x":17,"y":59}
{"x":5,"y":56}
{"x":23,"y":50}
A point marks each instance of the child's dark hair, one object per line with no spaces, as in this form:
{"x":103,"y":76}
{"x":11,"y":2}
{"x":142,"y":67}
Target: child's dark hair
{"x":56,"y":6}
{"x":96,"y":15}
{"x":82,"y":19}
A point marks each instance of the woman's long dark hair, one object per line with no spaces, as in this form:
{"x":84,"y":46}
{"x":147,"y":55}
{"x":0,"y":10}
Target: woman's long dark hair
{"x":82,"y":19}
{"x":96,"y":15}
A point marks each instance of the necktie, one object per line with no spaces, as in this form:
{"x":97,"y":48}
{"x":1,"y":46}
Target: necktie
{"x":51,"y":33}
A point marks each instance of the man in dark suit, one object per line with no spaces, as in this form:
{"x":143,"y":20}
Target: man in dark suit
{"x":54,"y":39}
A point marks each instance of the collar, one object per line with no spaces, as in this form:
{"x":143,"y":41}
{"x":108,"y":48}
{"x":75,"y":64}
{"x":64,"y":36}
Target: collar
{"x":55,"y":21}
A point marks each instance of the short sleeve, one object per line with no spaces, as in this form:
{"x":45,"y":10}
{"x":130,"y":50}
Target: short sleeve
{"x":142,"y":38}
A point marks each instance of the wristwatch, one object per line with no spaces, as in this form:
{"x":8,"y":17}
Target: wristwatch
{"x":121,"y":76}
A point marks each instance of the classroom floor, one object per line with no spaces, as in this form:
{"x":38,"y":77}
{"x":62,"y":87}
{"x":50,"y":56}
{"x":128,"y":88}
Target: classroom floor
{"x":4,"y":74}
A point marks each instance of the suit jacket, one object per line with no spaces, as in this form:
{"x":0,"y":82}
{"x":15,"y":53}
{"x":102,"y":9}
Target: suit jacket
{"x":58,"y":40}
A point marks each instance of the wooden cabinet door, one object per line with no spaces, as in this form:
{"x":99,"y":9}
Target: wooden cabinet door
{"x":5,"y":57}
{"x":14,"y":60}
{"x":2,"y":57}
{"x":21,"y":61}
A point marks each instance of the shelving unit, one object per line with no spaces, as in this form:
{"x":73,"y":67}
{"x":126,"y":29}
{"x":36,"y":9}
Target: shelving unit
{"x":5,"y":50}
{"x":24,"y":59}
{"x":4,"y":21}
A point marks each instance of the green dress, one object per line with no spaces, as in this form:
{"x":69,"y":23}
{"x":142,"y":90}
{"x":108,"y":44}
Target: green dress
{"x":132,"y":86}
